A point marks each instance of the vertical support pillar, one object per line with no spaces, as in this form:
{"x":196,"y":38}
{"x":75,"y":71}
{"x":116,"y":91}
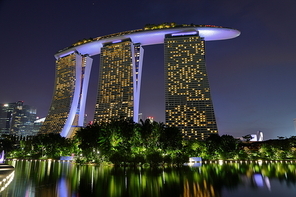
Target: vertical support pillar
{"x":137,"y":54}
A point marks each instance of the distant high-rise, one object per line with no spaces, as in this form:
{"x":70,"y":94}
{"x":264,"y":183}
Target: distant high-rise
{"x":188,"y":101}
{"x":6,"y":113}
{"x":17,"y":119}
{"x":187,"y":94}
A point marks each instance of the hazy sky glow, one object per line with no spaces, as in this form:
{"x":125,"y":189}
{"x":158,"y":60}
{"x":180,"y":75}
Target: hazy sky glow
{"x":252,"y":77}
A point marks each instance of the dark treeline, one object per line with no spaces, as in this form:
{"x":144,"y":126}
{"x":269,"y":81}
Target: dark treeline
{"x":123,"y":142}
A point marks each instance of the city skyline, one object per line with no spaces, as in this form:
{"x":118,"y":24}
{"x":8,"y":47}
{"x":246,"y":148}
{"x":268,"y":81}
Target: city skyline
{"x":253,"y":90}
{"x":18,"y":119}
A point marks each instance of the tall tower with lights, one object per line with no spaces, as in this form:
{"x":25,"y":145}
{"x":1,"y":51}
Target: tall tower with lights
{"x":188,"y":103}
{"x":67,"y":110}
{"x":17,"y":119}
{"x":119,"y":81}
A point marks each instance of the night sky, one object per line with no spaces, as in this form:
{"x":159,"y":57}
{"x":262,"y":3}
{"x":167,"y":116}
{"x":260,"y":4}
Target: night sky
{"x":252,"y":77}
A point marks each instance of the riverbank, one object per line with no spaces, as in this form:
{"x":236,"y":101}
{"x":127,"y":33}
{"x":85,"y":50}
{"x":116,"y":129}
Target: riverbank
{"x":199,"y":163}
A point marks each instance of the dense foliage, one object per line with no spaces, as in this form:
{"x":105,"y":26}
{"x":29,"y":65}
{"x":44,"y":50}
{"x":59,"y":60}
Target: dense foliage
{"x":123,"y":142}
{"x":127,"y":142}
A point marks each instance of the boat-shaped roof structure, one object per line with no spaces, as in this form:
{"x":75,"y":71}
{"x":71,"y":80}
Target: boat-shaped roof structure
{"x":149,"y":35}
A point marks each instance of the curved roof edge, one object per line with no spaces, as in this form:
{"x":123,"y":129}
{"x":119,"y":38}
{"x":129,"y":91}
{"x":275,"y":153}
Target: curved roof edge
{"x":148,"y":36}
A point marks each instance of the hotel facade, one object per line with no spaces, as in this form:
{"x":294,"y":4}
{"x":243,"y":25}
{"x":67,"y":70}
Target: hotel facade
{"x":188,"y":103}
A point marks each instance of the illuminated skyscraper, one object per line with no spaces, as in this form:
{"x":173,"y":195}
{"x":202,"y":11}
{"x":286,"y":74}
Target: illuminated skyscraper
{"x":67,"y":109}
{"x":22,"y":122}
{"x":119,"y":81}
{"x":188,"y":101}
{"x":17,"y":119}
{"x":6,"y":115}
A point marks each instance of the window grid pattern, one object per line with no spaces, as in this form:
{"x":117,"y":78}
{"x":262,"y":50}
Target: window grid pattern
{"x":64,"y":92}
{"x":187,"y":93}
{"x":115,"y":91}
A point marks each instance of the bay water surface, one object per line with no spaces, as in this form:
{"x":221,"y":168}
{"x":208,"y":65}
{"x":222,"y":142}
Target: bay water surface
{"x":53,"y":178}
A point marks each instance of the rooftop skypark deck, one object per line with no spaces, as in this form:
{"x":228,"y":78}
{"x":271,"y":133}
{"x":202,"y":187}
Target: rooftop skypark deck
{"x":151,"y":34}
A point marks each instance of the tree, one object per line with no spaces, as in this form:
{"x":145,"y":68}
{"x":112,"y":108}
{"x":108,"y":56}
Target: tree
{"x":228,"y":147}
{"x":91,"y":140}
{"x":213,"y":146}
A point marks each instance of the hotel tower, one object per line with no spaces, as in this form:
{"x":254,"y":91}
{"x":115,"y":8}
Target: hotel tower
{"x":67,"y":109}
{"x":119,"y":81}
{"x":188,"y":103}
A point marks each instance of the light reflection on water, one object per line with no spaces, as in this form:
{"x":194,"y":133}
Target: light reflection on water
{"x":64,"y":179}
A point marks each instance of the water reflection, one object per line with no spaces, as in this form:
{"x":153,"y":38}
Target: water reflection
{"x":6,"y":176}
{"x":64,"y":179}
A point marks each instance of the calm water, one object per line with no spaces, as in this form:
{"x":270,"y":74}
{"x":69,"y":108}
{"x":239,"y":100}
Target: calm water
{"x":64,"y":179}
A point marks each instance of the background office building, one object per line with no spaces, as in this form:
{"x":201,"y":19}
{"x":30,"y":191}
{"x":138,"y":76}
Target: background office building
{"x":6,"y":112}
{"x":17,"y":119}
